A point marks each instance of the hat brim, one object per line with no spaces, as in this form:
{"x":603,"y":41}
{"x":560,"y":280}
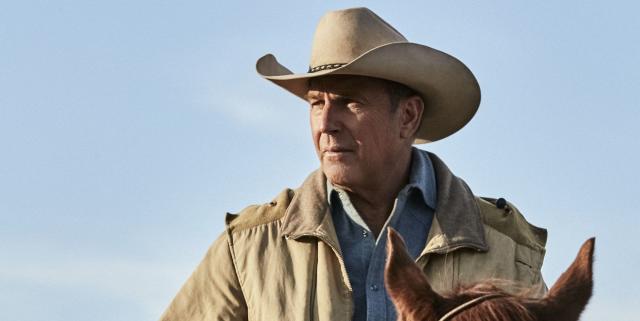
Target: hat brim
{"x":450,"y":91}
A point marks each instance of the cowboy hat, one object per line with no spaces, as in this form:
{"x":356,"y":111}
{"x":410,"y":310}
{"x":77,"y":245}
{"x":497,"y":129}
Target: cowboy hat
{"x":358,"y":42}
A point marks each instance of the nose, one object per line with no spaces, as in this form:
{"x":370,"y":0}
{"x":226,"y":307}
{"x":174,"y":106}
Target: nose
{"x":328,"y":120}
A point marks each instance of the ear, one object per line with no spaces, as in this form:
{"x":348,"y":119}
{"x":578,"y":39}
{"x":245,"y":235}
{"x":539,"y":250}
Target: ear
{"x":411,"y":109}
{"x":406,"y":284}
{"x":570,"y":294}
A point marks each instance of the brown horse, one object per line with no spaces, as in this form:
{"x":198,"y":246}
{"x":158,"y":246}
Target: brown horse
{"x":416,"y":301}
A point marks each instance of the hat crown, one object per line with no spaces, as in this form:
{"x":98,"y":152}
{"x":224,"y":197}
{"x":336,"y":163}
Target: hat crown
{"x":342,"y":36}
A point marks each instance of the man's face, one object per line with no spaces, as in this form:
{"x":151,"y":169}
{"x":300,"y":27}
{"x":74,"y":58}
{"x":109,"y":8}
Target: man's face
{"x":355,"y":130}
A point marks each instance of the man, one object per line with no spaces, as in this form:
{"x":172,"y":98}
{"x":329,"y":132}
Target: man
{"x":315,"y":253}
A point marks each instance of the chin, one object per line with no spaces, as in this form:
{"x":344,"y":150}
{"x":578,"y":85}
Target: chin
{"x":339,"y":175}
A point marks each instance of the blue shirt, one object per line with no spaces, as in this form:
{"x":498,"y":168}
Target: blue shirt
{"x":364,"y":255}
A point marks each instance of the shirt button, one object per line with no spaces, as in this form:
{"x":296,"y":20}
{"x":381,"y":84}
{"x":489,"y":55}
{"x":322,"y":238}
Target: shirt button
{"x":374,"y":287}
{"x":364,"y":233}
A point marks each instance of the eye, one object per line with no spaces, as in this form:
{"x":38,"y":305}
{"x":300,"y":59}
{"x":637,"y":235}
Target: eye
{"x":353,"y":104}
{"x":315,"y":104}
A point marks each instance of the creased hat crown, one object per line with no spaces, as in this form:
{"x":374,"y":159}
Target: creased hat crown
{"x":342,"y":36}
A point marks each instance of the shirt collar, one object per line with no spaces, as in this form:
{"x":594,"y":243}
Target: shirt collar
{"x":422,"y":176}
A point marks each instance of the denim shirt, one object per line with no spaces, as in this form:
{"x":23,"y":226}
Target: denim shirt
{"x":364,"y":255}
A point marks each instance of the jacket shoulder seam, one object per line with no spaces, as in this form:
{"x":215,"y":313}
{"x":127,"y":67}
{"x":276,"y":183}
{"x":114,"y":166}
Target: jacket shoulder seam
{"x":257,"y":215}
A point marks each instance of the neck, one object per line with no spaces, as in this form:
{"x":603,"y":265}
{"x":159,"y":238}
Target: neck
{"x":375,"y":200}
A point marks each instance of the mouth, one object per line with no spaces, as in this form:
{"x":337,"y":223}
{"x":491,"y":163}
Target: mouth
{"x":336,"y":152}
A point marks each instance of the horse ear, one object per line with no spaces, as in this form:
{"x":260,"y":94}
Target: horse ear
{"x":570,"y":294}
{"x":406,"y":284}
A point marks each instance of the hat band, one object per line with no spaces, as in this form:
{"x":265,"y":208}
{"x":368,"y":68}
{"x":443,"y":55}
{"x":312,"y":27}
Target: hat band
{"x":325,"y":67}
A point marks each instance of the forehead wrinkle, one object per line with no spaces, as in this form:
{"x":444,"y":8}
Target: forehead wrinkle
{"x":334,"y":92}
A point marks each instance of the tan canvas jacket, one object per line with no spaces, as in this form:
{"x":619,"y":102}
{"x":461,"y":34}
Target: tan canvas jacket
{"x":282,"y":260}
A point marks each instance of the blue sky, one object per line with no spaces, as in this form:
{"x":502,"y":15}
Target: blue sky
{"x":129,"y":128}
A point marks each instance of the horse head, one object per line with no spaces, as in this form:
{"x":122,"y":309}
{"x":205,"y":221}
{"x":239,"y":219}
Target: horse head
{"x":415,"y":300}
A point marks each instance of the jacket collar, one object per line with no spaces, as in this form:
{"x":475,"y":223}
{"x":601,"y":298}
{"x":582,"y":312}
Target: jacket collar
{"x":308,"y":213}
{"x":456,"y":224}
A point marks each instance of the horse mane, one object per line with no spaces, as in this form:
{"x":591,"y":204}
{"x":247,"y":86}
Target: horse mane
{"x":502,"y":307}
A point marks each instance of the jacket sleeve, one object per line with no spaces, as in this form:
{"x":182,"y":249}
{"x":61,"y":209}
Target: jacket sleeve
{"x":212,"y":292}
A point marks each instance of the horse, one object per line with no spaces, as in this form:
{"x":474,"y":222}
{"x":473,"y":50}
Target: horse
{"x":415,"y":300}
